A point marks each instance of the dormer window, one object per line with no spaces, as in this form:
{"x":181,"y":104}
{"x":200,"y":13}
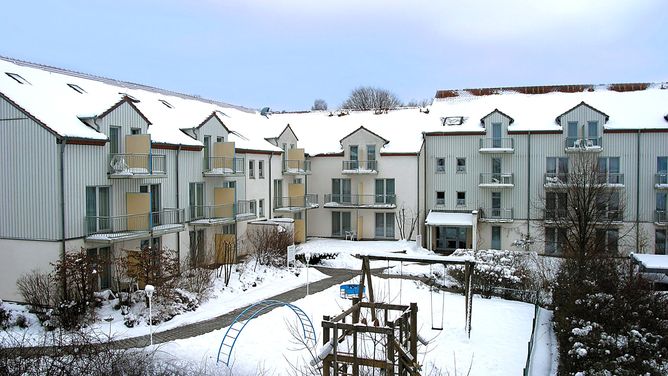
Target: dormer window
{"x":167,"y":104}
{"x":76,"y":88}
{"x":371,"y":152}
{"x":452,"y":120}
{"x":17,"y":77}
{"x":129,"y":96}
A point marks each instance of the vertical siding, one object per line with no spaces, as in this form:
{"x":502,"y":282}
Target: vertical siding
{"x":29,"y":198}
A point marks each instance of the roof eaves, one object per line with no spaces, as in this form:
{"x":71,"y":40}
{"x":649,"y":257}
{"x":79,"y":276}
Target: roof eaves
{"x":31,"y":116}
{"x":291,"y":130}
{"x":130,"y":102}
{"x":359,"y":129}
{"x":511,"y":120}
{"x":583,"y":103}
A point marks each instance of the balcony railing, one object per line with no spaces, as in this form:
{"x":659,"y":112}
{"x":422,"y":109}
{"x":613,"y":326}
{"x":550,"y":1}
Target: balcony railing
{"x":130,"y":165}
{"x":333,"y":200}
{"x":497,"y":145}
{"x":660,"y":216}
{"x":611,"y":178}
{"x":584,"y":144}
{"x":493,"y":179}
{"x":555,"y":214}
{"x":497,"y":214}
{"x":246,"y":208}
{"x":296,"y":203}
{"x":218,"y":212}
{"x":555,"y":178}
{"x":154,"y":221}
{"x":222,"y":166}
{"x":360,"y":167}
{"x":296,"y":167}
{"x":661,"y":180}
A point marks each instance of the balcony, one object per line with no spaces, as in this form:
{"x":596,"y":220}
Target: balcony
{"x":555,"y":215}
{"x":111,"y":229}
{"x":296,"y":167}
{"x":497,"y":145}
{"x":576,"y":144}
{"x":555,"y":179}
{"x":661,"y":180}
{"x":496,"y":180}
{"x":496,"y":215}
{"x":360,"y":201}
{"x":224,"y":166}
{"x":126,"y":166}
{"x":209,"y":215}
{"x":246,"y":210}
{"x":660,"y":217}
{"x":295,"y":203}
{"x":359,"y":167}
{"x":611,"y":179}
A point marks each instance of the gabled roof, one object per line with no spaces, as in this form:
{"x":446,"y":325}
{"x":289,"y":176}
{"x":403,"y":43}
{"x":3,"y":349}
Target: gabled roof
{"x":496,"y":110}
{"x":214,"y":114}
{"x":131,"y":102}
{"x":291,"y":130}
{"x":558,"y":119}
{"x":385,"y":142}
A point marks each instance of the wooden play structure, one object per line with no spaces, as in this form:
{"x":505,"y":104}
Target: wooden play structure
{"x":377,"y":335}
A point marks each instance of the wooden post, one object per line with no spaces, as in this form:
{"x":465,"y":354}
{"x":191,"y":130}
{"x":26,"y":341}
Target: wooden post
{"x":356,"y":365}
{"x":389,"y":371}
{"x":335,"y":349}
{"x":413,"y":336}
{"x":467,"y":277}
{"x":325,"y":331}
{"x":356,"y":311}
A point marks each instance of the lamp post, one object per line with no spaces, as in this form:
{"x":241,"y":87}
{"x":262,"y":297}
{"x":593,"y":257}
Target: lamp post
{"x":307,"y":257}
{"x":149,"y":289}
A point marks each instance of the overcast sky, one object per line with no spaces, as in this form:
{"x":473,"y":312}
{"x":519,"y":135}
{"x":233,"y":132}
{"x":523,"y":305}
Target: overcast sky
{"x":286,"y":53}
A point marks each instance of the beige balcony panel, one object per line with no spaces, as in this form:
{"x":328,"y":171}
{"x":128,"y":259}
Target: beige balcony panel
{"x":223,"y":199}
{"x":138,"y":144}
{"x":226,"y":249}
{"x":360,"y":227}
{"x":295,"y":156}
{"x":300,"y":233}
{"x":138,"y":208}
{"x":296,"y":194}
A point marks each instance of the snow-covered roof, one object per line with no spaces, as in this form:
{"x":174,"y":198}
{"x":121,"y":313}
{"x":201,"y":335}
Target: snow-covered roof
{"x":435,"y":218}
{"x":59,"y":98}
{"x":651,"y":263}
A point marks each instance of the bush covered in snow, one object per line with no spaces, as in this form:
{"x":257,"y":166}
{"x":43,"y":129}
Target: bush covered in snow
{"x":609,"y":323}
{"x":495,"y":269}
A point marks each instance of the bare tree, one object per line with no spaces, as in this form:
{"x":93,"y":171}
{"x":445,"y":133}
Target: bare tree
{"x":407,"y":221}
{"x":370,"y":98}
{"x":583,"y":209}
{"x":319,"y":105}
{"x":419,"y":103}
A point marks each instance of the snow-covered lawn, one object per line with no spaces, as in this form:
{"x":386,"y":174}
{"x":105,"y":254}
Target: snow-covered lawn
{"x":498,"y":343}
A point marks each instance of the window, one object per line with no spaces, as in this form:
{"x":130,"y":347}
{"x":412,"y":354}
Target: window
{"x":572,"y":134}
{"x":114,"y":140}
{"x":292,"y":146}
{"x":440,"y":198}
{"x":608,"y":170}
{"x":341,"y":191}
{"x":661,"y":170}
{"x":220,"y":139}
{"x":98,"y":209}
{"x":229,"y":184}
{"x":197,"y":249}
{"x":261,"y":208}
{"x":607,"y":240}
{"x":461,"y":198}
{"x":260,"y":169}
{"x":207,"y":152}
{"x":496,"y":135}
{"x":450,"y":238}
{"x":17,"y":78}
{"x":76,"y":88}
{"x":609,"y":206}
{"x":440,"y":165}
{"x":353,"y":157}
{"x":661,"y":247}
{"x":371,"y":152}
{"x":167,"y":104}
{"x":496,"y":170}
{"x":101,"y":260}
{"x":384,"y":225}
{"x":556,"y":169}
{"x":278,"y":192}
{"x":496,"y":237}
{"x":554,"y":240}
{"x":461,"y":165}
{"x":154,"y":191}
{"x":153,"y":243}
{"x":340,"y":223}
{"x":251,"y":169}
{"x":385,"y":191}
{"x":555,"y":205}
{"x":285,"y":153}
{"x":135,"y":131}
{"x":661,"y":206}
{"x":251,"y":207}
{"x":196,"y":200}
{"x":592,"y":133}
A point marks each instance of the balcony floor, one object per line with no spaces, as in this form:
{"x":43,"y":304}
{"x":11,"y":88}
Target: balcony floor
{"x":211,"y":221}
{"x":338,"y":205}
{"x":295,"y":209}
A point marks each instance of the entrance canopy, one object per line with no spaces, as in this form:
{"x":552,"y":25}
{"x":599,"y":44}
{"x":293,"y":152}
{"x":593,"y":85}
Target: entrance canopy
{"x":651,"y":263}
{"x":449,"y":219}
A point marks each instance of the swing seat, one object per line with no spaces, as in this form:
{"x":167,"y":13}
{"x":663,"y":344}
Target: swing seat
{"x":350,"y":291}
{"x":436,"y":328}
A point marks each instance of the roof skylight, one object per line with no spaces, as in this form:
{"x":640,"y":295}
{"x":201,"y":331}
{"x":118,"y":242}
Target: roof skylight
{"x":17,"y":77}
{"x":452,"y":120}
{"x":77,"y":88}
{"x":167,"y":104}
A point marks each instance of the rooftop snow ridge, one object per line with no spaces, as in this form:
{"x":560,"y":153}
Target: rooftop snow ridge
{"x":544,"y":89}
{"x":126,"y":84}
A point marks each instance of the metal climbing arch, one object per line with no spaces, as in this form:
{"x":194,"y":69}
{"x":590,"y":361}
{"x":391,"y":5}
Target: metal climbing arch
{"x":240,"y":322}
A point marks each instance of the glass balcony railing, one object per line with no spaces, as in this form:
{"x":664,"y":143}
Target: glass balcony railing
{"x":221,"y":166}
{"x":296,"y":167}
{"x":350,"y":200}
{"x":128,"y":165}
{"x":492,"y":144}
{"x":359,"y":167}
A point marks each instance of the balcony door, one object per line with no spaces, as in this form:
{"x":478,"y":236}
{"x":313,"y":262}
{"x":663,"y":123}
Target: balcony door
{"x":154,"y":191}
{"x":341,"y":223}
{"x":278,"y":192}
{"x":496,"y":135}
{"x":384,"y":191}
{"x":496,"y":204}
{"x":196,"y":200}
{"x":341,"y":191}
{"x":572,"y":133}
{"x":354,"y":157}
{"x":662,"y":170}
{"x":97,"y":209}
{"x":496,"y":170}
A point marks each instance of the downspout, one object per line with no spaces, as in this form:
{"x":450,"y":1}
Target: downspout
{"x":424,"y":188}
{"x":270,"y":204}
{"x":178,"y":204}
{"x":417,"y":191}
{"x":638,"y":193}
{"x":528,"y":184}
{"x":63,"y":277}
{"x":305,"y":211}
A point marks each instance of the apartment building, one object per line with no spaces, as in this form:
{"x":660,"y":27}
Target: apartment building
{"x":112,"y":167}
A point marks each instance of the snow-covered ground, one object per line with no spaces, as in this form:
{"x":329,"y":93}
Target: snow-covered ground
{"x":498,"y":343}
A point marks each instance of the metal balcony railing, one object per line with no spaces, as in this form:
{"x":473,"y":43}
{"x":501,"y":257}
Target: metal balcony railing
{"x":197,"y":212}
{"x":301,"y":202}
{"x":134,"y":222}
{"x":555,"y":178}
{"x":137,"y":164}
{"x":224,"y":166}
{"x":614,"y":215}
{"x":577,"y":143}
{"x":489,"y":143}
{"x":246,"y":207}
{"x":493,"y":178}
{"x":661,"y":178}
{"x":360,"y":166}
{"x":660,"y":216}
{"x":339,"y":199}
{"x":297,"y":167}
{"x":497,"y":213}
{"x":554,"y":214}
{"x":611,"y":178}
